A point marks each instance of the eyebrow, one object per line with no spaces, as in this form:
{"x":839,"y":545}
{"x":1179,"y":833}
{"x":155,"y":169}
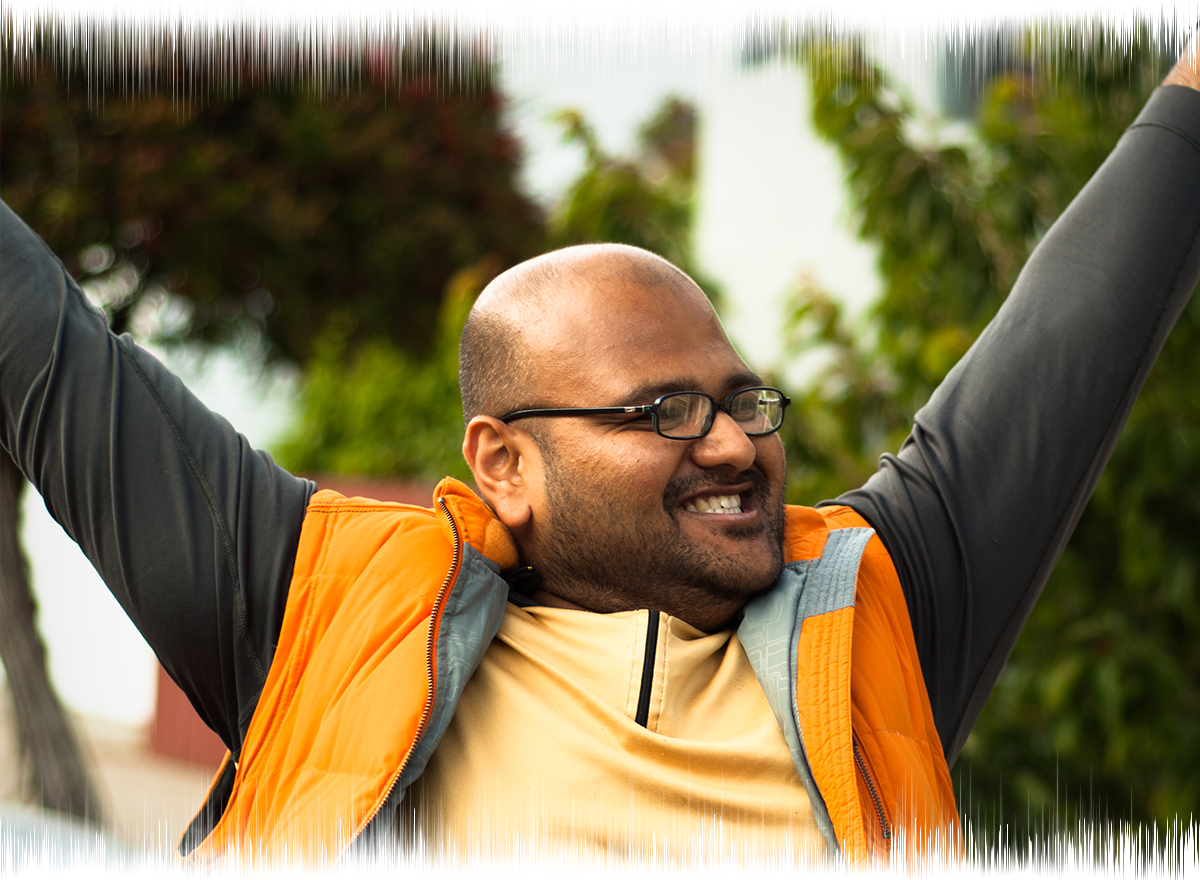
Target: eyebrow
{"x":656,"y":389}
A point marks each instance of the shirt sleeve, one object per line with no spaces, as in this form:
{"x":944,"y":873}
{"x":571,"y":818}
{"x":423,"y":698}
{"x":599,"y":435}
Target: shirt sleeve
{"x":194,"y":531}
{"x":978,"y":505}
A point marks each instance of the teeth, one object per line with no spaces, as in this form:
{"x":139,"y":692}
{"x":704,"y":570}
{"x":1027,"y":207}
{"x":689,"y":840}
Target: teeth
{"x":724,"y":504}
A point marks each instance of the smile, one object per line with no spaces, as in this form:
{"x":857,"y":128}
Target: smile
{"x":719,"y":504}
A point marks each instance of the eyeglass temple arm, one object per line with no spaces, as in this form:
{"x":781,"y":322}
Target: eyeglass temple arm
{"x":577,"y":411}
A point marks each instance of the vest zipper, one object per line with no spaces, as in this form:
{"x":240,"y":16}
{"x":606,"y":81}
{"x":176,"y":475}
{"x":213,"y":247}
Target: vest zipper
{"x":874,"y":792}
{"x":643,"y":707}
{"x":430,"y":649}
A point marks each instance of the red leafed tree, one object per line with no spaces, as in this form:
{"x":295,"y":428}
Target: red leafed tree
{"x":280,"y":161}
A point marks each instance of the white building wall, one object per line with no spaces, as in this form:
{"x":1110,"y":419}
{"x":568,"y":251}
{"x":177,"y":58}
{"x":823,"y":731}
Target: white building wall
{"x":615,"y":60}
{"x":772,"y":198}
{"x":100,"y":664}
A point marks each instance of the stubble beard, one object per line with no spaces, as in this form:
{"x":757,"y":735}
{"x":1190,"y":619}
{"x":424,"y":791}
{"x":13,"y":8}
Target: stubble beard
{"x":605,"y":557}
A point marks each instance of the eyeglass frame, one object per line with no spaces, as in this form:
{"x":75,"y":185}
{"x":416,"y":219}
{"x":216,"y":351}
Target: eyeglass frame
{"x":652,"y":410}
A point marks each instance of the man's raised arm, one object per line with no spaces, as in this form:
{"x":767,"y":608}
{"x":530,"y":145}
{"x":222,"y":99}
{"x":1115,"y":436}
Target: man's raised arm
{"x":980,"y":501}
{"x":193,"y":531}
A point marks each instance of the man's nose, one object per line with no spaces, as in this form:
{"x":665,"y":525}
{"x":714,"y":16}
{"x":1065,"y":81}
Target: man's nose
{"x":725,"y":445}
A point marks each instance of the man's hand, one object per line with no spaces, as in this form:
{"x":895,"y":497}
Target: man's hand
{"x":1187,"y":70}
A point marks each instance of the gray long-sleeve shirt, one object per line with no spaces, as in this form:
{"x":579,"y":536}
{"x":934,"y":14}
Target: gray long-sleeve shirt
{"x":195,"y":532}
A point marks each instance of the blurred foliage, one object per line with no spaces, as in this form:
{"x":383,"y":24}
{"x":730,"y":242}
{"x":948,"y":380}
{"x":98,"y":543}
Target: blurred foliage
{"x":376,"y":410}
{"x":275,"y":209}
{"x":1098,"y":713}
{"x":644,"y":201}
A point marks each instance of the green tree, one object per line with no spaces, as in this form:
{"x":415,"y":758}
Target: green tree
{"x":379,"y":410}
{"x":1098,"y":711}
{"x":645,"y":200}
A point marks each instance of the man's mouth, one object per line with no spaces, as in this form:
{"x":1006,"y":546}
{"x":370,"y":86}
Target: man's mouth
{"x":716,"y":504}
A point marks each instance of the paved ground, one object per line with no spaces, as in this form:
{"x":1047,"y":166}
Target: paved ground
{"x":149,"y":799}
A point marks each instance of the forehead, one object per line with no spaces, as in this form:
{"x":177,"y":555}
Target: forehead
{"x":601,"y":343}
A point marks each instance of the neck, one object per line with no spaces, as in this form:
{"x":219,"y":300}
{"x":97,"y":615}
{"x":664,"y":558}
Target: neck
{"x":713,"y":615}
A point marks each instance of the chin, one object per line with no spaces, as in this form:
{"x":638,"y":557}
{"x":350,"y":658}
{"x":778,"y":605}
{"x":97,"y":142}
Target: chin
{"x":746,"y":579}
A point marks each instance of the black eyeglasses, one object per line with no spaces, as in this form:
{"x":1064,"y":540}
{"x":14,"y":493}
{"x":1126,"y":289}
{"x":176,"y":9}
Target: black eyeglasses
{"x":689,"y":415}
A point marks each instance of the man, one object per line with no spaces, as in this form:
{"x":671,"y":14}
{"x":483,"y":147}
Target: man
{"x":632,"y":639}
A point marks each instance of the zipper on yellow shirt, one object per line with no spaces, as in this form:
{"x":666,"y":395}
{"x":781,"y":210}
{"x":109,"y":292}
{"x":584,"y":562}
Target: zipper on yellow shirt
{"x":643,"y":707}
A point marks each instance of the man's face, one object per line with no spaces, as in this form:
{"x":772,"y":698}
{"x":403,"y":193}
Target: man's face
{"x":624,"y":517}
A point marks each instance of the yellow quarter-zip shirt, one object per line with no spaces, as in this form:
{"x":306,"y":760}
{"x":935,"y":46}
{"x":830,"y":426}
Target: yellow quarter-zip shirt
{"x":545,"y":750}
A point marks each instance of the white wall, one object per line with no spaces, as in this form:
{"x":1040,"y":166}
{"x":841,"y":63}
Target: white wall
{"x":98,"y":662}
{"x":772,"y":202}
{"x":612,"y":59}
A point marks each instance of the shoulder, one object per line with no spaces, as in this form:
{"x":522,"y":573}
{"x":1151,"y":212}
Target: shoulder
{"x":807,"y":529}
{"x":362,"y":527}
{"x":357,"y":534}
{"x":806,"y":532}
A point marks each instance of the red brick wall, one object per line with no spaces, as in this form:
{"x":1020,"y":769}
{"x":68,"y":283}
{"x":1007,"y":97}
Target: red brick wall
{"x":177,"y":730}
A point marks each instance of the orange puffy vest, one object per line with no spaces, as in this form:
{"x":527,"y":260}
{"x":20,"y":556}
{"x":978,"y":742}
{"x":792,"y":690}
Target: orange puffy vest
{"x":391,"y":607}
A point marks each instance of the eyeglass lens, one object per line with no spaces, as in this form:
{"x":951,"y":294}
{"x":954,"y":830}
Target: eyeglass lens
{"x":688,"y":414}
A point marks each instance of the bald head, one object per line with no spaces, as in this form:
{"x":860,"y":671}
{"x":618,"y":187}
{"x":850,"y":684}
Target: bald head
{"x":522,"y":327}
{"x":600,"y":503}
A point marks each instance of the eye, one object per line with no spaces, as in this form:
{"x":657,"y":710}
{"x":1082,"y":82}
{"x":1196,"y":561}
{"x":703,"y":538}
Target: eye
{"x":747,"y":406}
{"x":641,"y":420}
{"x":758,"y":410}
{"x":673,"y":411}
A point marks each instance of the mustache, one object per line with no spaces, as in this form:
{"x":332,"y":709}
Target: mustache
{"x":682,"y":487}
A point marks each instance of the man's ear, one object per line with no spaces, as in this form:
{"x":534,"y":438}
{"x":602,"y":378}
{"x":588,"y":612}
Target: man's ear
{"x":502,"y":460}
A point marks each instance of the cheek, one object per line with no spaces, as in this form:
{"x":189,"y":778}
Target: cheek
{"x":537,"y":492}
{"x":771,"y":457}
{"x":648,"y":464}
{"x":632,"y":469}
